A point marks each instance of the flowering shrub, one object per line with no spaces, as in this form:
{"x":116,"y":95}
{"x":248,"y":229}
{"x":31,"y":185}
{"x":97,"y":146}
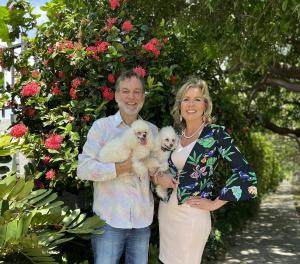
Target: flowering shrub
{"x":71,"y":83}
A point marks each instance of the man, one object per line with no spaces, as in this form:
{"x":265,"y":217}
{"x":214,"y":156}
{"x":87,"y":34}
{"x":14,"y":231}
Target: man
{"x":127,"y":207}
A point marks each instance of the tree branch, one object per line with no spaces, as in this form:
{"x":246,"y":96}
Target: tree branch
{"x":280,"y":130}
{"x":294,"y":87}
{"x":286,"y":70}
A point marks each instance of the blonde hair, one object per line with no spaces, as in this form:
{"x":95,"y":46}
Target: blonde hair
{"x":192,"y":83}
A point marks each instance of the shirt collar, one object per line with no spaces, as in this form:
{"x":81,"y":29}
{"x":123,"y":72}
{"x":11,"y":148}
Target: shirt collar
{"x":117,"y":119}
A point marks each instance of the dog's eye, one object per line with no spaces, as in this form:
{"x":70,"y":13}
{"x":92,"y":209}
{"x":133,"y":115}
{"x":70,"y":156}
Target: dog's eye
{"x":173,"y":140}
{"x":167,"y":139}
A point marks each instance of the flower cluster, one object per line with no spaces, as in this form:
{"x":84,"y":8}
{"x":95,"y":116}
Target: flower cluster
{"x":127,"y":26}
{"x":111,"y":78}
{"x":114,"y":4}
{"x":153,"y":46}
{"x":100,"y":47}
{"x":60,"y":46}
{"x":140,"y":71}
{"x":53,"y":142}
{"x":46,"y":160}
{"x":18,"y":130}
{"x":50,"y":174}
{"x":107,"y":93}
{"x":111,"y":21}
{"x":73,"y":91}
{"x":30,"y":89}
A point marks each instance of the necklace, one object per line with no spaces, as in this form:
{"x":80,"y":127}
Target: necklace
{"x":194,"y":132}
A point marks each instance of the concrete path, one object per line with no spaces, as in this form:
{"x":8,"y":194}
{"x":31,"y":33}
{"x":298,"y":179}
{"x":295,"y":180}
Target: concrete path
{"x":273,"y":236}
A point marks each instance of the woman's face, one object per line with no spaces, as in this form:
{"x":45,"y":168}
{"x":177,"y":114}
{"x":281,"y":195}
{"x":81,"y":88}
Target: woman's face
{"x":192,"y":105}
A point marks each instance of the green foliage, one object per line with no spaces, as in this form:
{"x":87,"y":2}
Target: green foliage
{"x":34,"y":223}
{"x":16,"y":18}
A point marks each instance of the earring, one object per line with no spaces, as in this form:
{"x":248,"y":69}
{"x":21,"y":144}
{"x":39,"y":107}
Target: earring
{"x":180,"y":118}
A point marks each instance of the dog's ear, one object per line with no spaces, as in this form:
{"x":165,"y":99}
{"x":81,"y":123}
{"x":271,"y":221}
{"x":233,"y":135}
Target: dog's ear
{"x":130,"y":137}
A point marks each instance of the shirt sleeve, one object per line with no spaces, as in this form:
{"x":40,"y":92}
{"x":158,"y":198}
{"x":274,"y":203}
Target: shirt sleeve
{"x":89,"y":165}
{"x":242,"y":185}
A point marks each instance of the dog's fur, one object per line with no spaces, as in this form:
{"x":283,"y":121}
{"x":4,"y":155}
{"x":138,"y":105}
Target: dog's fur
{"x":137,"y":141}
{"x":166,"y":142}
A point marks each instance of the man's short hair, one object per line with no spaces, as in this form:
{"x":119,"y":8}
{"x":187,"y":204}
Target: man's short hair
{"x":127,"y":75}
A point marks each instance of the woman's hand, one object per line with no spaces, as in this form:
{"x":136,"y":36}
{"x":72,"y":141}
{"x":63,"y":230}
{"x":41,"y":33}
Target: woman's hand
{"x":165,"y":180}
{"x":205,"y":204}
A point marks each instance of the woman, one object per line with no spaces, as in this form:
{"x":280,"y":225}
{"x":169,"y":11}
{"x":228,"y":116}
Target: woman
{"x":184,"y":220}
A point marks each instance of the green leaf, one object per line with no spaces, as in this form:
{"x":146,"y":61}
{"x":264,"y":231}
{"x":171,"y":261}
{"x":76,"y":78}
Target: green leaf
{"x":284,"y":5}
{"x":17,"y":188}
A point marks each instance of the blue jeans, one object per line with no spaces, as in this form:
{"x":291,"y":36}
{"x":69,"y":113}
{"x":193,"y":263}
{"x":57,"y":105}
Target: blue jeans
{"x":109,"y":246}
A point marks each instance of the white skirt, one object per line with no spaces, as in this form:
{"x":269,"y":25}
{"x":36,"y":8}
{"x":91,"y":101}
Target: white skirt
{"x":183,"y":232}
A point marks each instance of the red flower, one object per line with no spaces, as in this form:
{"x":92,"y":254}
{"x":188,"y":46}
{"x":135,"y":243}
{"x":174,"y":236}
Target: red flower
{"x":152,"y":46}
{"x":18,"y":130}
{"x":155,"y":42}
{"x":35,"y":74}
{"x":50,"y":174}
{"x":29,"y":111}
{"x":102,"y":46}
{"x":38,"y":184}
{"x":111,"y":78}
{"x":107,"y":93}
{"x":122,"y":60}
{"x":114,"y":4}
{"x":69,"y":44}
{"x":91,"y":51}
{"x":53,"y":142}
{"x":30,"y":89}
{"x":46,"y":160}
{"x":73,"y":94}
{"x":76,"y":82}
{"x":173,"y":79}
{"x":127,"y":26}
{"x":140,"y":71}
{"x":45,"y":62}
{"x":110,"y":22}
{"x":55,"y":90}
{"x":50,"y":50}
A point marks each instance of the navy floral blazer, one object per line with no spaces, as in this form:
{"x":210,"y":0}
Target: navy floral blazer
{"x":196,"y":177}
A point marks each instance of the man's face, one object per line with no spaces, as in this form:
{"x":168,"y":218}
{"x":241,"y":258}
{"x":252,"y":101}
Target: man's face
{"x":130,"y":97}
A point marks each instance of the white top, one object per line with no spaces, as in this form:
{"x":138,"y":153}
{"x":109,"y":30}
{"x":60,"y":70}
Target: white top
{"x":122,"y":204}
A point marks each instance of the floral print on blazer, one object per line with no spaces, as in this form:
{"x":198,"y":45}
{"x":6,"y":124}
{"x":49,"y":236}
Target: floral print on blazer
{"x":195,"y":179}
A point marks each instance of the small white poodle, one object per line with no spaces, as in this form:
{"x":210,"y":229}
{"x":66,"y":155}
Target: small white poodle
{"x":166,"y":142}
{"x":137,"y":141}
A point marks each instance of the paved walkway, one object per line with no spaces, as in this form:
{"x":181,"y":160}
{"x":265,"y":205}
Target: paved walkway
{"x":273,"y":236}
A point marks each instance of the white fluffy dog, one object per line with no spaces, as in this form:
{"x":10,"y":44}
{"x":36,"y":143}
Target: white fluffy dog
{"x":137,"y":141}
{"x":166,"y":141}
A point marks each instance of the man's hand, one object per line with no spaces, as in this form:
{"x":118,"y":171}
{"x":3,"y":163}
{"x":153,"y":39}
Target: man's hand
{"x":124,"y":167}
